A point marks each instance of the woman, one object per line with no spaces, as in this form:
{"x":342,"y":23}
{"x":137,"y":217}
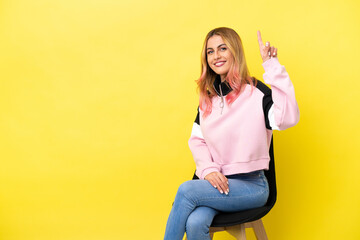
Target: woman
{"x":231,"y":135}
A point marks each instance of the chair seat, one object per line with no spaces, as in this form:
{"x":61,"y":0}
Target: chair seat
{"x":224,"y":219}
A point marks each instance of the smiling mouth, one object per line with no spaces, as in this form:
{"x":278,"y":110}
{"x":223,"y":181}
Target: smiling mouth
{"x":219,"y":64}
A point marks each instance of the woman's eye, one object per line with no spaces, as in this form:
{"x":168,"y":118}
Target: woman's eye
{"x":209,"y":52}
{"x":223,"y":49}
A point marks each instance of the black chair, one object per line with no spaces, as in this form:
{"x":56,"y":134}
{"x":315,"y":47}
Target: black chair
{"x":236,"y":222}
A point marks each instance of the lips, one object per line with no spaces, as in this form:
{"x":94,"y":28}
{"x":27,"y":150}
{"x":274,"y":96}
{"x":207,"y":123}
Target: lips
{"x":219,"y":64}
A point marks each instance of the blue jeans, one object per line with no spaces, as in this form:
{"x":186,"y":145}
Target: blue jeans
{"x":197,"y":202}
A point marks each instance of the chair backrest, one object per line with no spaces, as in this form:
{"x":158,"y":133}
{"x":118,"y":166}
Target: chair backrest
{"x":271,"y":177}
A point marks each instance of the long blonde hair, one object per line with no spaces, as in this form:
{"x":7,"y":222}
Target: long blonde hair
{"x":237,"y":76}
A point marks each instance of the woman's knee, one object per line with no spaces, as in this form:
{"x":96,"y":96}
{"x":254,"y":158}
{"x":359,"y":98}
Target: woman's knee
{"x":186,"y":188}
{"x":191,"y":192}
{"x":198,"y":222}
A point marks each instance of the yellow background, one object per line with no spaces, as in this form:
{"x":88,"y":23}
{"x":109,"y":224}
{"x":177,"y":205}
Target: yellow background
{"x":97,"y":101}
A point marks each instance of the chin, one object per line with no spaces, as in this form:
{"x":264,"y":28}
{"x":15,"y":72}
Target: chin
{"x":221,"y":72}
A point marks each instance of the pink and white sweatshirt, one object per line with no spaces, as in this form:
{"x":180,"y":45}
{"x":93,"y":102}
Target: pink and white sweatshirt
{"x":236,"y":138}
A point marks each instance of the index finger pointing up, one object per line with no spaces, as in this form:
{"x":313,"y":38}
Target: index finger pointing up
{"x":259,"y":38}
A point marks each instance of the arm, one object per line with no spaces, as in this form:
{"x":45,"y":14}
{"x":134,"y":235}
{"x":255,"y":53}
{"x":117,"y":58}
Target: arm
{"x":200,"y":151}
{"x":282,"y":109}
{"x":206,"y":168}
{"x":284,"y":112}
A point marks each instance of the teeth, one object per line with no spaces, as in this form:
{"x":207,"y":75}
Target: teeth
{"x":218,"y":64}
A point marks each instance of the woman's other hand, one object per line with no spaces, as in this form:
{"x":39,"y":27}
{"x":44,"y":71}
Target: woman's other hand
{"x":266,"y":50}
{"x":219,"y":181}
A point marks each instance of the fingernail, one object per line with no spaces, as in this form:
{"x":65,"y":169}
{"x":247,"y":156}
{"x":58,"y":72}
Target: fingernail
{"x":228,"y":190}
{"x":214,"y":186}
{"x":226,"y":193}
{"x":274,"y":54}
{"x":269,"y":54}
{"x":221,"y":192}
{"x":267,"y":43}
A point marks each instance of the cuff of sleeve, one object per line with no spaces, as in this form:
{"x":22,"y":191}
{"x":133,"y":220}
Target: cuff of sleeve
{"x":268,"y":64}
{"x":207,"y":171}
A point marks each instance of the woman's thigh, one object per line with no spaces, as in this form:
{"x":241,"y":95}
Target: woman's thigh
{"x":246,"y":191}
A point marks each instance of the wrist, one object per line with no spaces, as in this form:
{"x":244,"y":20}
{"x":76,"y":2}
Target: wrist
{"x":266,"y":59}
{"x":208,"y":171}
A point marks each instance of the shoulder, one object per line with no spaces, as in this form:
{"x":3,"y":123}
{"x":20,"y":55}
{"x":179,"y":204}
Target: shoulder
{"x":260,"y":86}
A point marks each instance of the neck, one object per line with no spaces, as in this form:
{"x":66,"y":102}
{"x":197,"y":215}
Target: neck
{"x":222,"y":77}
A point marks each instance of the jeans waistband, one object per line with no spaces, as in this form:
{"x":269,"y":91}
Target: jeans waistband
{"x":254,"y":173}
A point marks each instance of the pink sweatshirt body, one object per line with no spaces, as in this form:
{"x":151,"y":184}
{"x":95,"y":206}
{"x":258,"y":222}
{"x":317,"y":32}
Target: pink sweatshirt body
{"x":236,"y":138}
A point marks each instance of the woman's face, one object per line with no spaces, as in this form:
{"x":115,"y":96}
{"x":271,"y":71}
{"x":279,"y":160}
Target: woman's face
{"x":219,"y":56}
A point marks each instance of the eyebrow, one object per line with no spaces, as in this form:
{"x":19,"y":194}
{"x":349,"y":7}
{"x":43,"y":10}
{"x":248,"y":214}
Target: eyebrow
{"x":217,"y":46}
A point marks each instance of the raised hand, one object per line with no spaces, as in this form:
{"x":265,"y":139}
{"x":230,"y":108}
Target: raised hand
{"x":266,"y":50}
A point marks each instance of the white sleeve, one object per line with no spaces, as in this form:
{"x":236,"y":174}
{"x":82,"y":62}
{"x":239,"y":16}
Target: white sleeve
{"x":196,"y":131}
{"x":271,"y":117}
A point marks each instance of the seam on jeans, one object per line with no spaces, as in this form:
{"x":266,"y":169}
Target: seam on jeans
{"x":233,"y":197}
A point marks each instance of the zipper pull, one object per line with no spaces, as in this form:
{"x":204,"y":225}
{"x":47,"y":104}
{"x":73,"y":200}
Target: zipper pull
{"x":222,"y":99}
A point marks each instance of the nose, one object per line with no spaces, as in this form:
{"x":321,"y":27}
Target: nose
{"x":216,"y":55}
